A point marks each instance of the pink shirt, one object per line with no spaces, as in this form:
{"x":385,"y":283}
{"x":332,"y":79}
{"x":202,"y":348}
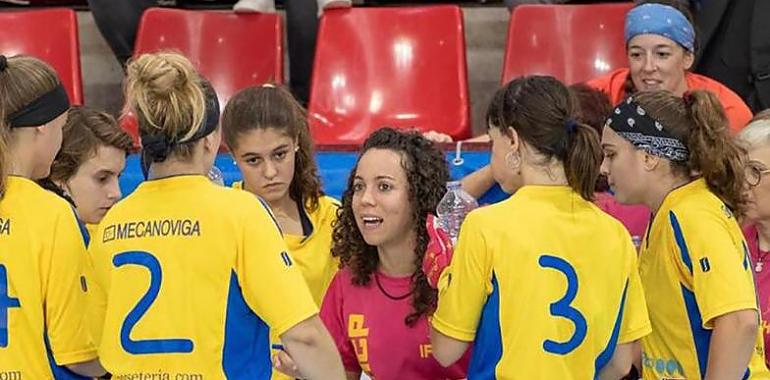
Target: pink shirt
{"x":635,"y":218}
{"x":761,"y":262}
{"x":369,"y":331}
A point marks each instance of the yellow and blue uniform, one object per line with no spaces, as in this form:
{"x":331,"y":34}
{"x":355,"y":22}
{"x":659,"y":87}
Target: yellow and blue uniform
{"x":694,"y":267}
{"x":43,"y":288}
{"x":545,"y":284}
{"x":312,"y":252}
{"x":193,"y":274}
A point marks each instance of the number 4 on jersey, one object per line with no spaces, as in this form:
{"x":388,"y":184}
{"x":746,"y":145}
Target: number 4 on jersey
{"x":6,"y":302}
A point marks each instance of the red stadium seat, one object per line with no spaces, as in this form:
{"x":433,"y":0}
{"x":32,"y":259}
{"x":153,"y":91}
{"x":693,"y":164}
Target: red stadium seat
{"x":573,"y":43}
{"x":233,"y":51}
{"x":48,"y":34}
{"x":402,"y":67}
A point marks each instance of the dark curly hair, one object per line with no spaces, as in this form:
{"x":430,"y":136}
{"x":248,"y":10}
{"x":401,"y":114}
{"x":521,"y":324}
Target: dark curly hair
{"x":270,"y":106}
{"x":427,"y":174}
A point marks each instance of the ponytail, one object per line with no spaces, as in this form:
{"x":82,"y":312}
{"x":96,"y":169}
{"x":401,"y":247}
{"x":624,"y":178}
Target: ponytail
{"x":543,"y":111}
{"x":698,"y":121}
{"x":714,"y":153}
{"x":583,"y":159}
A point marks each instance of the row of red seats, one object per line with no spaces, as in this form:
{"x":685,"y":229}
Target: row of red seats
{"x":400,"y":66}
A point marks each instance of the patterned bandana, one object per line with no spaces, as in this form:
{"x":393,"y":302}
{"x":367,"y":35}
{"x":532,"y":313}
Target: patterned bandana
{"x":662,"y":20}
{"x":632,"y":122}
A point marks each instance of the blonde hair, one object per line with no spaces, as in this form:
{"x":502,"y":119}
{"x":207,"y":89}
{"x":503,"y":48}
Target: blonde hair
{"x":164,"y":91}
{"x":756,"y":134}
{"x":23,"y":80}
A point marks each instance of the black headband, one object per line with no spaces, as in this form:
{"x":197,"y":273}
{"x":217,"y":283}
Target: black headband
{"x":157,"y":147}
{"x":632,"y":122}
{"x":42,"y":110}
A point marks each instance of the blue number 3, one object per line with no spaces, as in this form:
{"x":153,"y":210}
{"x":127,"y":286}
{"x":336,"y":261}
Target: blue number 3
{"x":146,"y":346}
{"x":563,"y":308}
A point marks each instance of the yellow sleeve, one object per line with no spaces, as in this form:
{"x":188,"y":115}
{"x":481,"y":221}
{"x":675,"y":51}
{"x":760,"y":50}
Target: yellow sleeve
{"x":271,"y":284}
{"x":98,"y":285}
{"x":635,"y":322}
{"x":719,"y":263}
{"x":66,"y":294}
{"x":465,"y":286}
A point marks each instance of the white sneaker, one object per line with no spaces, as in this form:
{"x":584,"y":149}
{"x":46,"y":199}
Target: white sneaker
{"x":254,"y":6}
{"x":330,"y":4}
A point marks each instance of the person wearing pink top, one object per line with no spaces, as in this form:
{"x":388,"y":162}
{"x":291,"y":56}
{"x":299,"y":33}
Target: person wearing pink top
{"x":595,"y":107}
{"x":756,"y":137}
{"x":378,"y":304}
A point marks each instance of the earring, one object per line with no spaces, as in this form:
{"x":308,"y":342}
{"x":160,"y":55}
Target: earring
{"x":513,"y":161}
{"x":296,"y":149}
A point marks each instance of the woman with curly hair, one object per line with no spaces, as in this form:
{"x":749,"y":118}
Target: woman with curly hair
{"x":267,"y":133}
{"x":378,"y":304}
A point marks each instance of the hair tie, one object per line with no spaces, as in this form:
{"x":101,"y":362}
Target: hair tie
{"x":157,"y":147}
{"x":570,"y":125}
{"x":3,"y":63}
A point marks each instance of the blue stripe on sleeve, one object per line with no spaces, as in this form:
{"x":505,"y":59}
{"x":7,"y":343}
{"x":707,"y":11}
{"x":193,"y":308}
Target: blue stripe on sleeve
{"x":605,"y":356}
{"x":246,"y":352}
{"x":684,"y":253}
{"x":488,"y":345}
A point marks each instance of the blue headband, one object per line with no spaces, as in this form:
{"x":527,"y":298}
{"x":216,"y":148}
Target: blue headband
{"x":662,"y":20}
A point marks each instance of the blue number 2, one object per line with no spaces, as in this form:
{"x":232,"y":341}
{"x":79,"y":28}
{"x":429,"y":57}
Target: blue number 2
{"x":146,"y":346}
{"x":563,"y":308}
{"x":6,"y":302}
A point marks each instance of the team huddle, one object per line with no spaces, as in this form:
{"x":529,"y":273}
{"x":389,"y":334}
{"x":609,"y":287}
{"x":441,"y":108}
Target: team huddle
{"x":272,"y":279}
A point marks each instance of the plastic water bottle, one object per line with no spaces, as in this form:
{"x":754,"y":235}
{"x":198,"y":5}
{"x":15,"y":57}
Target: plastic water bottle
{"x":453,"y":208}
{"x":216,"y":176}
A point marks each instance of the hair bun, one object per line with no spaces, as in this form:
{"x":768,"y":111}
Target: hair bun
{"x":162,"y":73}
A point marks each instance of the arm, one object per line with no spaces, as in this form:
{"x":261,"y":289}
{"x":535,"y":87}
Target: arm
{"x":312,"y":349}
{"x":478,"y":182}
{"x":622,"y":359}
{"x":286,"y":365}
{"x":446,"y":350}
{"x":91,"y":368}
{"x":732,"y":343}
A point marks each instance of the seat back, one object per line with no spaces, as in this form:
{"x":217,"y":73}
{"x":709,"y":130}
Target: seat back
{"x":233,"y":51}
{"x":50,"y":35}
{"x":573,"y":43}
{"x":402,"y":67}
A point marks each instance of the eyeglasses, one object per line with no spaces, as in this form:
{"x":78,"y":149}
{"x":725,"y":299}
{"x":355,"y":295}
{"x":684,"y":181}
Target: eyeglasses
{"x":754,"y":174}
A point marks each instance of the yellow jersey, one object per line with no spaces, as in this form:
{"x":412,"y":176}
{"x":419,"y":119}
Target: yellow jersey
{"x":192,"y":275}
{"x":311,"y":253}
{"x":545,"y":284}
{"x":694,"y":266}
{"x":43,"y":288}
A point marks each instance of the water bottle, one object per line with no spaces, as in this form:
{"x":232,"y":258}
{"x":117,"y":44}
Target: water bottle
{"x":216,"y":176}
{"x":453,"y":208}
